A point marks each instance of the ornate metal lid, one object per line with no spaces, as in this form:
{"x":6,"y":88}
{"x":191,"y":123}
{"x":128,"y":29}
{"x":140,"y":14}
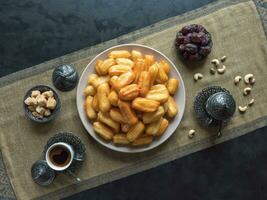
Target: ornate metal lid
{"x":212,"y":117}
{"x":41,"y":173}
{"x":221,"y":106}
{"x":65,"y":77}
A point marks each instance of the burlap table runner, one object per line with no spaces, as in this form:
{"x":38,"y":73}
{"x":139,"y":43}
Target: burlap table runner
{"x":237,"y":33}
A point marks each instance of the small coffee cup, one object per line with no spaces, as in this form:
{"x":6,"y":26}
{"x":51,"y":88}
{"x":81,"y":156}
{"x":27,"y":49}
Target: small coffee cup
{"x":59,"y":156}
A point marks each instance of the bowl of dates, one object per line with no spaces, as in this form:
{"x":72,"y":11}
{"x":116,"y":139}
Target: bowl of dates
{"x":193,"y":42}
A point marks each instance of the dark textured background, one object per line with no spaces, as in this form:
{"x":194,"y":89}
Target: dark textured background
{"x":32,"y":31}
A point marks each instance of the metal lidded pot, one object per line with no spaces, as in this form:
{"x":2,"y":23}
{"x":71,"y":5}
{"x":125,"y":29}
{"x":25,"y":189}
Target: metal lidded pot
{"x":214,"y":106}
{"x":221,"y":106}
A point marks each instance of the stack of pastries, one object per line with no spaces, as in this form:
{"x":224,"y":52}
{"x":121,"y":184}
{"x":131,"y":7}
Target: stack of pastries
{"x":129,"y":99}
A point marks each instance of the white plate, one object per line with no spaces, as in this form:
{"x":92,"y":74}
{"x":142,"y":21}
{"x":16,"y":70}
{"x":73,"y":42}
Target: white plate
{"x":179,"y":98}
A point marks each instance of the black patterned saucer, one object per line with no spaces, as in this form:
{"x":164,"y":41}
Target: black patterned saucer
{"x":74,"y":141}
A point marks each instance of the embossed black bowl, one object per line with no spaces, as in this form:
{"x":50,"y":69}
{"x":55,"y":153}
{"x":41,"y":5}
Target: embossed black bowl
{"x":65,"y":77}
{"x":54,"y":113}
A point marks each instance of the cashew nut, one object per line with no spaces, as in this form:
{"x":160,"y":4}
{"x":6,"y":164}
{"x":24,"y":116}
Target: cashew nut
{"x":223,"y":58}
{"x":198,"y":76}
{"x":216,"y":62}
{"x":221,"y":70}
{"x":249,"y":78}
{"x":251,"y":102}
{"x":237,"y":79}
{"x":212,"y":70}
{"x":246,"y":91}
{"x":242,"y":109}
{"x":191,"y":133}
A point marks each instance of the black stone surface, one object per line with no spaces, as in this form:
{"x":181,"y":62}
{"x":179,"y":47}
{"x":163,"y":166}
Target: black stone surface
{"x":32,"y":31}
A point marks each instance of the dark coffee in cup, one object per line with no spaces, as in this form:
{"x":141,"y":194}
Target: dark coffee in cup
{"x":59,"y":156}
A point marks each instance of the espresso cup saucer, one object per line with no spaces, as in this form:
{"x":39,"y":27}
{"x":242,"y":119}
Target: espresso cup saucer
{"x":75,"y":142}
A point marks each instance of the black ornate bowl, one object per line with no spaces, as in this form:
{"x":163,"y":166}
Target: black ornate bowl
{"x":42,"y":174}
{"x":65,"y":77}
{"x":54,"y":113}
